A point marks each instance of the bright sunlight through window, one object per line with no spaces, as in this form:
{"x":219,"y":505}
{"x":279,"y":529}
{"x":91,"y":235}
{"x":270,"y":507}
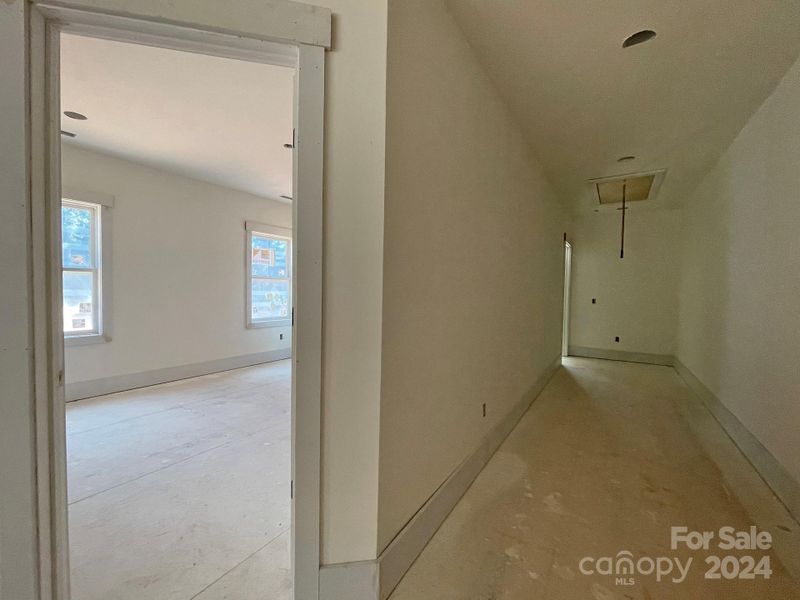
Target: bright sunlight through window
{"x":81,"y":264}
{"x":269,"y":279}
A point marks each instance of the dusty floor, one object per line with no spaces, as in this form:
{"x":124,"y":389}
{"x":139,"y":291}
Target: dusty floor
{"x":181,"y":490}
{"x":609,"y":457}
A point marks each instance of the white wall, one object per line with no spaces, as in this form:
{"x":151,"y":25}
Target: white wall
{"x":636,"y":296}
{"x":473,"y":261}
{"x":177,"y":268}
{"x":355,"y":124}
{"x":740,"y":292}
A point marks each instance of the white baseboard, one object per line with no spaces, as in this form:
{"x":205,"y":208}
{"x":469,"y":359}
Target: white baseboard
{"x":774,"y":474}
{"x":376,"y":579}
{"x":349,"y":581}
{"x":79,"y":390}
{"x":637,"y":357}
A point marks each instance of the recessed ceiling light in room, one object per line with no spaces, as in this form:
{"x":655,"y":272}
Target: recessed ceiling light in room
{"x":640,"y":37}
{"x":75,"y":115}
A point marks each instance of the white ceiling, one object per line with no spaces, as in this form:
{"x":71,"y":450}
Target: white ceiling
{"x":675,"y":102}
{"x":219,"y":120}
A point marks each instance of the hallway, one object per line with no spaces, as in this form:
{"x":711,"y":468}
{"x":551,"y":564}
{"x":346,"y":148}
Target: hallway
{"x":608,"y":458}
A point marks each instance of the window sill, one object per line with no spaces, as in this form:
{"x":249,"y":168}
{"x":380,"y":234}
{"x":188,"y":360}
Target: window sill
{"x":85,"y":340}
{"x":263,"y":324}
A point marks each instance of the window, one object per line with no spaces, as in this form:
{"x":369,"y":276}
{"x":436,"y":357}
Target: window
{"x":269,"y":276}
{"x":83,"y":279}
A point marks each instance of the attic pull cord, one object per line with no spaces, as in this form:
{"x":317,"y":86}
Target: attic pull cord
{"x":622,"y":237}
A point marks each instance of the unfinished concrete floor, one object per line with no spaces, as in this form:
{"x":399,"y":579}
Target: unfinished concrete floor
{"x":181,"y":490}
{"x":609,"y":457}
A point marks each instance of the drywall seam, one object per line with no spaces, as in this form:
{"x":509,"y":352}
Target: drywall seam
{"x":118,"y":383}
{"x":636,"y":357}
{"x":376,"y":579}
{"x":771,"y":471}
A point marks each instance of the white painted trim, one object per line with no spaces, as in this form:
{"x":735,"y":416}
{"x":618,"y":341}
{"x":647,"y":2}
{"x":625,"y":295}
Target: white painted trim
{"x":269,"y":229}
{"x":375,"y":580}
{"x":71,"y":341}
{"x":622,"y":355}
{"x":307,"y":253}
{"x":280,"y":21}
{"x":774,"y":474}
{"x":80,"y":195}
{"x":267,"y":324}
{"x":349,"y":581}
{"x":746,"y":467}
{"x":119,"y":383}
{"x":248,"y":30}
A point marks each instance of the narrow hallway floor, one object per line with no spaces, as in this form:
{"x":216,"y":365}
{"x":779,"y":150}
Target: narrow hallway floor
{"x":609,"y":458}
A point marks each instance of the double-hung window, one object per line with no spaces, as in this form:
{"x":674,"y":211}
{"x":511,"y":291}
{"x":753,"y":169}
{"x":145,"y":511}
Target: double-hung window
{"x":82,"y":270}
{"x":269,"y":275}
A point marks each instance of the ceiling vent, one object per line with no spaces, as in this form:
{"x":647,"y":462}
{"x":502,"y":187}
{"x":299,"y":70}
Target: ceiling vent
{"x":638,"y":187}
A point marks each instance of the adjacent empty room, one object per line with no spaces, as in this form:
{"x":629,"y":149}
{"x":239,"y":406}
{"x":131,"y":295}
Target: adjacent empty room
{"x":176,"y":243}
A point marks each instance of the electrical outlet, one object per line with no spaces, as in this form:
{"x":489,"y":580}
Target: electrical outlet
{"x":594,"y":300}
{"x":281,"y":336}
{"x":484,"y":409}
{"x":616,"y":339}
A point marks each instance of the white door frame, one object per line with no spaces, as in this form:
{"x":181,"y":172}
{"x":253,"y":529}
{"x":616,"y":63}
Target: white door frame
{"x":272,"y":31}
{"x":567,"y":290}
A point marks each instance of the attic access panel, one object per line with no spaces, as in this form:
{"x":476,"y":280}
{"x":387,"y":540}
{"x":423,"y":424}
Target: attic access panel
{"x":622,"y":189}
{"x":636,"y":189}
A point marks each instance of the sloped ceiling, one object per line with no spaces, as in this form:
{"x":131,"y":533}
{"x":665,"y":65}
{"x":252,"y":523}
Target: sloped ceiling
{"x":219,"y":120}
{"x":675,"y":102}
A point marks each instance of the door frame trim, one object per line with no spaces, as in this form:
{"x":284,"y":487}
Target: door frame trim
{"x":286,"y":33}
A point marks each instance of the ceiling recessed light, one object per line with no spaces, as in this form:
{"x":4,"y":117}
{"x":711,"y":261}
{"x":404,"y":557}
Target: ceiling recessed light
{"x":639,"y":37}
{"x":75,"y":115}
{"x":68,"y":134}
{"x":626,"y":158}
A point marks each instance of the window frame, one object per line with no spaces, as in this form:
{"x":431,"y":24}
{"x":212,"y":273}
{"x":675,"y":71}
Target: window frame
{"x":270,"y":231}
{"x":101,"y":244}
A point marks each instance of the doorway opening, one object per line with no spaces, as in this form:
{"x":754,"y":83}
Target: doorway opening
{"x":84,"y":291}
{"x":567,"y":282}
{"x":176,"y":254}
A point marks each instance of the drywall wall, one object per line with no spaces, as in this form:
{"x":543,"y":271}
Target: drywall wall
{"x":19,"y":529}
{"x":177,"y":269}
{"x":739,"y":321}
{"x":473,"y":261}
{"x":355,"y":123}
{"x":636,"y":297}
